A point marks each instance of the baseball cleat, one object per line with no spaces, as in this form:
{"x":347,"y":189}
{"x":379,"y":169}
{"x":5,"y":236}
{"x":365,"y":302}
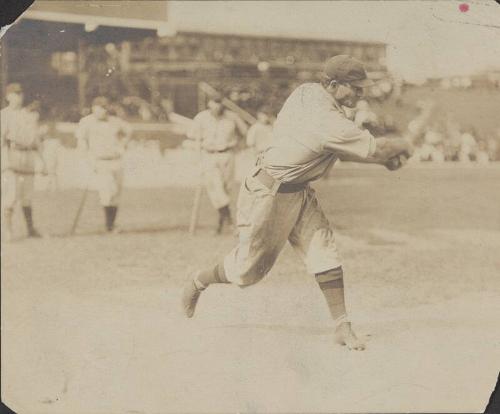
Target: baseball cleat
{"x":190,"y":296}
{"x":33,"y":233}
{"x":344,"y":335}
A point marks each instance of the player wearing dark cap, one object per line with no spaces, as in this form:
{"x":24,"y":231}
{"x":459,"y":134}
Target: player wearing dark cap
{"x":21,"y":146}
{"x":103,"y":138}
{"x":276,"y":202}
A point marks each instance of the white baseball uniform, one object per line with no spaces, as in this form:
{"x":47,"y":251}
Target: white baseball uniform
{"x":20,"y":155}
{"x":105,"y":140}
{"x":217,"y":137}
{"x":276,"y":202}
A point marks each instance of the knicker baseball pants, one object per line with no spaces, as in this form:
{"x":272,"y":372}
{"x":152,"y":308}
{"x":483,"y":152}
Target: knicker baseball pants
{"x":218,"y":173}
{"x":266,"y":220}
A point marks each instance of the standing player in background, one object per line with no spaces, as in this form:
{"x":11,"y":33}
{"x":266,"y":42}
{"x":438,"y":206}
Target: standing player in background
{"x":216,"y":132}
{"x":51,"y":146}
{"x":260,"y":134}
{"x":276,"y":202}
{"x":21,"y":158}
{"x":103,"y":139}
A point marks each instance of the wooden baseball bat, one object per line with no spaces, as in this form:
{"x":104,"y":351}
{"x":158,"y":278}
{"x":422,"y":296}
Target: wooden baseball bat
{"x":79,"y":211}
{"x":195,"y":210}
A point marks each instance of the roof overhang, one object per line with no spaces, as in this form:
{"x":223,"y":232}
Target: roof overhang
{"x":129,"y":14}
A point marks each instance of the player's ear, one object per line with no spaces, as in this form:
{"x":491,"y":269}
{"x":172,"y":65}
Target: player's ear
{"x":332,"y":85}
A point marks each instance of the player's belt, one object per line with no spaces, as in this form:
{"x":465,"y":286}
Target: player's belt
{"x":18,"y":147}
{"x":111,"y":158}
{"x":218,"y":151}
{"x":274,"y":185}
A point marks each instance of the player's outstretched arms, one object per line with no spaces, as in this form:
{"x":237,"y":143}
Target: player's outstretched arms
{"x":391,"y":153}
{"x":387,"y":148}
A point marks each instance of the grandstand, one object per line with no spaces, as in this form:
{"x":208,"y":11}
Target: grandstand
{"x":65,"y":58}
{"x":136,"y":57}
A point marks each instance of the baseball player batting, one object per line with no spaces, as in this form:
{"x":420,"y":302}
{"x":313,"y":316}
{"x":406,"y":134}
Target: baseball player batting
{"x":276,"y":202}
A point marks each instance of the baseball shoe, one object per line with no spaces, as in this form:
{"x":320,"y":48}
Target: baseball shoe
{"x":115,"y":230}
{"x":33,"y":233}
{"x":190,"y":296}
{"x":344,"y":335}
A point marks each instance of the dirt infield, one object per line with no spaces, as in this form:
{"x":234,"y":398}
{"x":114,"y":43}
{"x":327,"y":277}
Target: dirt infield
{"x":91,"y":324}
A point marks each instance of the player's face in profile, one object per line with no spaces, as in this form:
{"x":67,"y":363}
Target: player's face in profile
{"x":99,"y":111}
{"x":348,"y":95}
{"x":15,"y":99}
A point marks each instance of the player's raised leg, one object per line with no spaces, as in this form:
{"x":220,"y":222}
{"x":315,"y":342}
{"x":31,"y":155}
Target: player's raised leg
{"x":197,"y":283}
{"x":264,"y":222}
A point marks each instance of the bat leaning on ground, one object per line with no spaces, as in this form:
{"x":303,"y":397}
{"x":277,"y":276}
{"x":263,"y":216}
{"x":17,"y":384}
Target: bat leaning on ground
{"x":195,"y":210}
{"x":78,"y":213}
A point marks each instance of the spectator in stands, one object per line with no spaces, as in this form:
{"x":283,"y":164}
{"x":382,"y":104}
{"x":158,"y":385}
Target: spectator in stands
{"x":468,"y":147}
{"x":365,"y":118}
{"x":482,"y":156}
{"x":493,"y":147}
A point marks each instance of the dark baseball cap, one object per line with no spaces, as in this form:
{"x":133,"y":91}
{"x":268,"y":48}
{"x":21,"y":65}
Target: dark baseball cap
{"x":217,"y":97}
{"x":100,"y":101}
{"x":13,"y":88}
{"x":344,"y":68}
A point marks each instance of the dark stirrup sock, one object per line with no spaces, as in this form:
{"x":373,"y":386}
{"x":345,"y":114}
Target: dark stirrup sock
{"x":114,"y":210}
{"x":108,"y":213}
{"x":28,"y":217}
{"x":331,"y":284}
{"x":210,"y":276}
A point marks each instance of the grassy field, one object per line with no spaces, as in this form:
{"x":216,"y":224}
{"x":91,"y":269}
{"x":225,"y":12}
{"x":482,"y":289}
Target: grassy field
{"x":91,"y":323}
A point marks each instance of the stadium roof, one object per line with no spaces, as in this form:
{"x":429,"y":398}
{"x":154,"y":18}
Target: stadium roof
{"x":123,"y":13}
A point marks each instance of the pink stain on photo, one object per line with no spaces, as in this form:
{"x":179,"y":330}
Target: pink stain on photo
{"x":464,"y":7}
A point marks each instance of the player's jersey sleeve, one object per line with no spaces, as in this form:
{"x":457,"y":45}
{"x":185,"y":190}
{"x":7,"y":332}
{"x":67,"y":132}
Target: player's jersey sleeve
{"x":81,"y":133}
{"x":341,"y":135}
{"x":4,"y":122}
{"x":251,"y":141}
{"x":195,"y":130}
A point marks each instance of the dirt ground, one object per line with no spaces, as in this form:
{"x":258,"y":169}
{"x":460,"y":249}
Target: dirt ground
{"x":91,"y":323}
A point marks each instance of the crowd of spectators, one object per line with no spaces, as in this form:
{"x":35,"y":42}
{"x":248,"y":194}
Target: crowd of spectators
{"x":436,"y":139}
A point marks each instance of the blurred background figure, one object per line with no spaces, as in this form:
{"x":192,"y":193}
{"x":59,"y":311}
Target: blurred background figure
{"x":103,"y":139}
{"x":50,"y":150}
{"x":482,"y":156}
{"x":493,"y":147}
{"x":216,"y":131}
{"x":468,"y":147}
{"x":260,"y":134}
{"x":21,"y":159}
{"x":366,"y":118}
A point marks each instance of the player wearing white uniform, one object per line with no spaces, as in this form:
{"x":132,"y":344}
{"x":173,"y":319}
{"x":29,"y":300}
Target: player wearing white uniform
{"x":276,"y":202}
{"x":216,"y":132}
{"x":104,"y":139}
{"x":20,"y":155}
